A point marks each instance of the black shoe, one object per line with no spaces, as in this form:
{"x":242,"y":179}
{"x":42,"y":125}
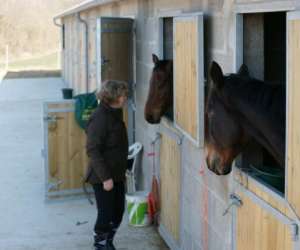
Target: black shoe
{"x":100,"y":242}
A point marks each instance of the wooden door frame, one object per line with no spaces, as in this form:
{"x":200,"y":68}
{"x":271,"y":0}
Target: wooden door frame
{"x":98,"y":47}
{"x":240,"y":10}
{"x":239,"y":51}
{"x":291,"y":15}
{"x":200,"y":70}
{"x":131,"y":102}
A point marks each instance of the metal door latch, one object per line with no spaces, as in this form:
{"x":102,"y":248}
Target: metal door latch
{"x":235,"y":201}
{"x":295,"y":231}
{"x":104,"y":61}
{"x":51,"y":118}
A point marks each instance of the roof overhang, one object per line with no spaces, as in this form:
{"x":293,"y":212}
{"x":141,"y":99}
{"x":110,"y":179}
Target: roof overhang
{"x":88,"y":4}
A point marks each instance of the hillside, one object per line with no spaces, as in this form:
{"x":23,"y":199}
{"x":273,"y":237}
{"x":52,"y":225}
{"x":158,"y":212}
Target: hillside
{"x":27,"y":28}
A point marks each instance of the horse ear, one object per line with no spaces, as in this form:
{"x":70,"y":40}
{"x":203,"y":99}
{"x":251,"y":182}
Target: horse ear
{"x":155,"y":59}
{"x":244,"y":71}
{"x":216,"y":74}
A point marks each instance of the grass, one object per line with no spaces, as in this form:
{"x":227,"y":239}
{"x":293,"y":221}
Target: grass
{"x":48,"y":62}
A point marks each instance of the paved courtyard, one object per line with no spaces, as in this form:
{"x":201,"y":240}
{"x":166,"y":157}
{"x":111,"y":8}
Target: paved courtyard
{"x":27,"y":221}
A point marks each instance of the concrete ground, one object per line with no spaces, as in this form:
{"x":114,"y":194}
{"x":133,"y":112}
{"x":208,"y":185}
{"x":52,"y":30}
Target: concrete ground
{"x":27,"y":222}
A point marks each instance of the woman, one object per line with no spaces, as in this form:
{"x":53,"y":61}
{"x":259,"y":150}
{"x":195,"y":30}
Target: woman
{"x":107,"y":149}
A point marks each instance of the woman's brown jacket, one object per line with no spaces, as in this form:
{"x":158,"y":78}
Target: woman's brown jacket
{"x":107,"y":145}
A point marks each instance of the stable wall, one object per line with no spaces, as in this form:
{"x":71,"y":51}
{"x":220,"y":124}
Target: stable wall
{"x":204,"y":197}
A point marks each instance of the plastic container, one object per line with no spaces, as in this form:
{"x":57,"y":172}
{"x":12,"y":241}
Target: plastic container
{"x":137,"y":207}
{"x":67,"y":93}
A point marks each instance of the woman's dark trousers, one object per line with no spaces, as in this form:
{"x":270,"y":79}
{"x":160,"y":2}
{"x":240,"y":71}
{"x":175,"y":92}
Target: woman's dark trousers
{"x":110,"y":206}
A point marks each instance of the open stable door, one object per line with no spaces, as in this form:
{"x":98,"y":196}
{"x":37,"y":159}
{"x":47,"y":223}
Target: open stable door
{"x":189,"y":76}
{"x":293,"y":114}
{"x":115,"y":52}
{"x":64,"y":152}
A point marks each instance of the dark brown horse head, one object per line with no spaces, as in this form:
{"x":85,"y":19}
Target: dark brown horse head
{"x":224,"y":135}
{"x":160,"y":96}
{"x":239,"y":108}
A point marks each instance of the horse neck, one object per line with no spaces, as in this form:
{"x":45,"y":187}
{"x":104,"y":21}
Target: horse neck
{"x":273,"y":144}
{"x":265,"y":128}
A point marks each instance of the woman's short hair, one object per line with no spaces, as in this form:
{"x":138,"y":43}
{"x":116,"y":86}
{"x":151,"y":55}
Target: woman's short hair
{"x":111,"y":90}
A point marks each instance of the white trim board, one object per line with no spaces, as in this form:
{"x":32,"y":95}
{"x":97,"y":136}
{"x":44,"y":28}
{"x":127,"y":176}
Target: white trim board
{"x":88,"y":4}
{"x":271,"y":6}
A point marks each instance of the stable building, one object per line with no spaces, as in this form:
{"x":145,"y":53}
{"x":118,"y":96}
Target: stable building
{"x":115,"y":39}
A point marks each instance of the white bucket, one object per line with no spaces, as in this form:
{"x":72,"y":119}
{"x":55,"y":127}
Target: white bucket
{"x":137,"y":207}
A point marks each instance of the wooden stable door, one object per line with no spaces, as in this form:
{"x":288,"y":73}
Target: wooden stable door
{"x":64,"y":154}
{"x":115,"y":51}
{"x":189,"y":77}
{"x":170,"y":176}
{"x":293,"y":114}
{"x":116,"y":47}
{"x":258,"y":229}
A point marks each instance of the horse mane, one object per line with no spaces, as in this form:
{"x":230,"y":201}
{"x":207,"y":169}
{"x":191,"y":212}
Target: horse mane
{"x":266,"y":99}
{"x":260,"y":107}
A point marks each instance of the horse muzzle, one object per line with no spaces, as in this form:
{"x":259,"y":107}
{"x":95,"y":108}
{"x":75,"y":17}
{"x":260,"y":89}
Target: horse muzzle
{"x":215,"y":166}
{"x":151,"y":119}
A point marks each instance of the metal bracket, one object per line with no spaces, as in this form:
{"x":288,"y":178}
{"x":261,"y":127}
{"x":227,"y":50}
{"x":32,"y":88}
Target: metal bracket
{"x":169,"y":132}
{"x":294,"y":231}
{"x":50,"y":118}
{"x":157,"y":137}
{"x":52,"y":186}
{"x":43,"y":153}
{"x":104,"y":61}
{"x":235,"y":201}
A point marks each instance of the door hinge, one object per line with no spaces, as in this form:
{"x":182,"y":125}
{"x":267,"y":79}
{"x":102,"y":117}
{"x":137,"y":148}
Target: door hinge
{"x":43,"y":153}
{"x":52,"y":186}
{"x":50,"y":118}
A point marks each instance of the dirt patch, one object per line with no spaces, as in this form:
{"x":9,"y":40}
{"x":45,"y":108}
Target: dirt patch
{"x":32,"y":74}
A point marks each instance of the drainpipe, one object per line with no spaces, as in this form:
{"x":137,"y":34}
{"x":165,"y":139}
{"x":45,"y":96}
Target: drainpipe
{"x":57,"y":24}
{"x":86,"y":50}
{"x":61,"y":26}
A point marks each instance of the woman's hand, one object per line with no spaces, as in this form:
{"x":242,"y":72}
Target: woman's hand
{"x":108,"y":185}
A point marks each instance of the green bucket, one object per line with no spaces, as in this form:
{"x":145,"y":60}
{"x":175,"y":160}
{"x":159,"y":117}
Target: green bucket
{"x":137,"y":207}
{"x":67,"y":93}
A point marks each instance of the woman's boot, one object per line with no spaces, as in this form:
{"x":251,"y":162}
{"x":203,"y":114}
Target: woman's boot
{"x":101,"y":241}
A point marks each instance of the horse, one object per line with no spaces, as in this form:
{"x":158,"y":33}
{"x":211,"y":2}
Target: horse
{"x":160,"y":95}
{"x":238,"y":109}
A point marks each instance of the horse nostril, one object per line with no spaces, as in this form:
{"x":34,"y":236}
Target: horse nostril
{"x":149,"y":118}
{"x":226,"y":170}
{"x":215,"y":163}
